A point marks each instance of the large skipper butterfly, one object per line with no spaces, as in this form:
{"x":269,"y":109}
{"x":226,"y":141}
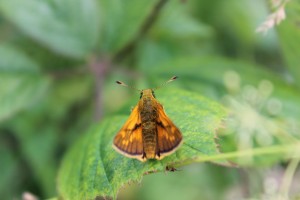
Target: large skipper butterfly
{"x":148,"y":133}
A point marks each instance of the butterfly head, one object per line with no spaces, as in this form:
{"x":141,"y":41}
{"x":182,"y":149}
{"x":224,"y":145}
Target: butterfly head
{"x":147,"y":93}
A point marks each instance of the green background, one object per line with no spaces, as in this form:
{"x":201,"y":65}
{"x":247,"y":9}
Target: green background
{"x":60,"y":106}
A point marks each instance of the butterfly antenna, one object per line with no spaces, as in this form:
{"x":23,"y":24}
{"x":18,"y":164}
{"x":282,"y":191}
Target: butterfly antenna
{"x":168,"y":81}
{"x":125,"y":85}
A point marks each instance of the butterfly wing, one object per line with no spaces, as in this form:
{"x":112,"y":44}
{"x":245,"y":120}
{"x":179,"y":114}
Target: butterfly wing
{"x":169,"y":136}
{"x":128,"y":140}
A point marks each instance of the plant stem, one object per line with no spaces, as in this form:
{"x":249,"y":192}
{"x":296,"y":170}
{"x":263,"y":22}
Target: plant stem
{"x":278,"y":149}
{"x":99,"y":69}
{"x":288,"y":177}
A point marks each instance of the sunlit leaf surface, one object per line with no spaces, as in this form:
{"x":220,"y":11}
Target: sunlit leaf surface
{"x":92,"y":168}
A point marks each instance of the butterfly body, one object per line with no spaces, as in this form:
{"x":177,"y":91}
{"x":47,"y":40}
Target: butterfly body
{"x":148,"y":112}
{"x":148,"y":133}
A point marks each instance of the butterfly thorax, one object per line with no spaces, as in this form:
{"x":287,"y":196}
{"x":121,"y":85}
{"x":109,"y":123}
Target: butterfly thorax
{"x":148,"y":113}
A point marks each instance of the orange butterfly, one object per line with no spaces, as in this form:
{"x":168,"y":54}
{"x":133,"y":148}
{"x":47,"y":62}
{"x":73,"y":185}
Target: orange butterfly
{"x":148,"y":133}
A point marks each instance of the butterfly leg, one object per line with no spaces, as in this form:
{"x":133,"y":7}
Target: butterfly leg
{"x":171,"y":169}
{"x":144,"y":156}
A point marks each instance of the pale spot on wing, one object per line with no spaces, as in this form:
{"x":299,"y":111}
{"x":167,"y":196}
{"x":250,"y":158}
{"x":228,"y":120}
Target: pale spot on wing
{"x":122,"y":134}
{"x":172,"y":138}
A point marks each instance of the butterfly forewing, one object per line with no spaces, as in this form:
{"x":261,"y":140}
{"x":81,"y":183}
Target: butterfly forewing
{"x":169,"y":136}
{"x":128,"y":140}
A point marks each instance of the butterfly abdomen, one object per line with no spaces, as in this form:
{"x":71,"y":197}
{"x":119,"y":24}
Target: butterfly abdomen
{"x":149,"y":139}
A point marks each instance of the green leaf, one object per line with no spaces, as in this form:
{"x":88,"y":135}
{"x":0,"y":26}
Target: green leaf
{"x":13,"y":60}
{"x":167,"y":40}
{"x":38,"y":148}
{"x":289,"y":38}
{"x":44,"y":132}
{"x":121,"y":21}
{"x":101,"y":171}
{"x":21,"y":83}
{"x":197,"y":181}
{"x":177,"y":13}
{"x":69,"y":27}
{"x":9,"y":185}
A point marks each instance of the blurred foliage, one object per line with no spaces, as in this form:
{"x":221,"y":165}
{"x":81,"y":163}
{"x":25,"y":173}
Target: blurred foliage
{"x":58,"y":64}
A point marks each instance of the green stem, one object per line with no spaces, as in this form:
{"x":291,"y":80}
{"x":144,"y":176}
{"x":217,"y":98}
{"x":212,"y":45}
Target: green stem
{"x":288,"y":177}
{"x":285,"y":149}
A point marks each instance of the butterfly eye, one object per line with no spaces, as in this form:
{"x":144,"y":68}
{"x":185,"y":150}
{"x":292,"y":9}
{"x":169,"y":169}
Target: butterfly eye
{"x":153,"y":94}
{"x":141,"y":95}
